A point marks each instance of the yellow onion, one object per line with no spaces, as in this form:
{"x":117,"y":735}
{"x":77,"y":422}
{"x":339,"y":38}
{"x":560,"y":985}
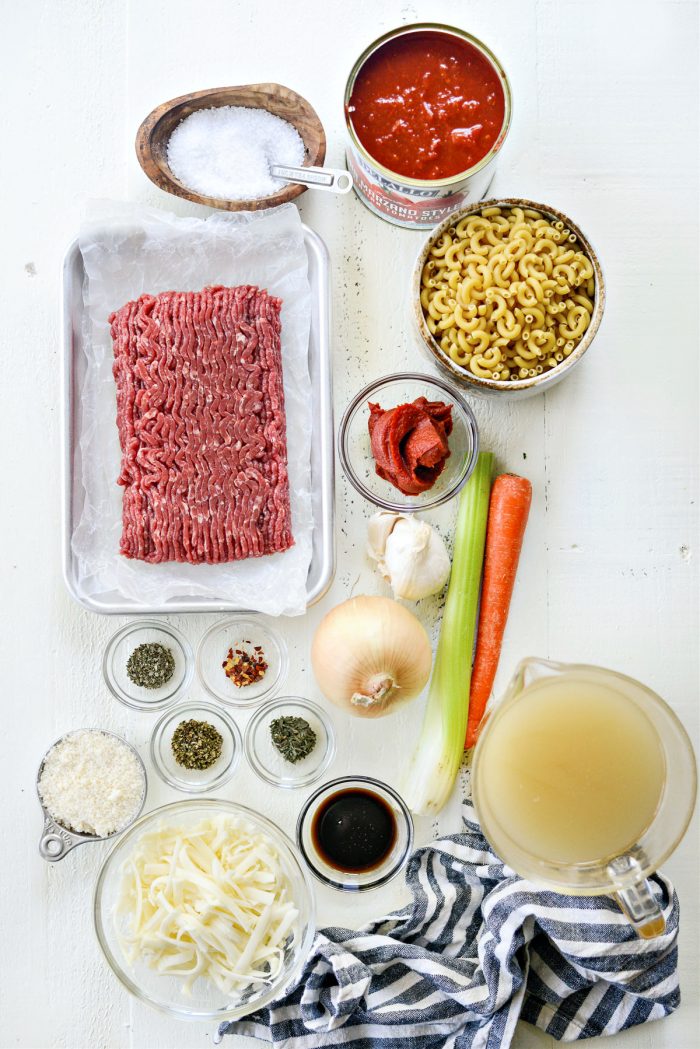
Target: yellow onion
{"x":369,"y":655}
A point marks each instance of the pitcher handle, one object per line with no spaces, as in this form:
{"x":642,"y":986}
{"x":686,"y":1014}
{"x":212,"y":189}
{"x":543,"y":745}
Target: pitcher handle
{"x":636,"y":899}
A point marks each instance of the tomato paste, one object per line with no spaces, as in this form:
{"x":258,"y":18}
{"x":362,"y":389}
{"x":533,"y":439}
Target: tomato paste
{"x":427,"y":105}
{"x":409,"y":443}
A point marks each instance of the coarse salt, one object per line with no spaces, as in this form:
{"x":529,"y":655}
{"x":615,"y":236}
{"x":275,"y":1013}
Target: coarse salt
{"x":92,"y":783}
{"x":226,"y":151}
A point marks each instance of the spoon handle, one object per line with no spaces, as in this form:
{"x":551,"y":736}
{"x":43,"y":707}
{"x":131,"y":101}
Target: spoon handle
{"x":334,"y":180}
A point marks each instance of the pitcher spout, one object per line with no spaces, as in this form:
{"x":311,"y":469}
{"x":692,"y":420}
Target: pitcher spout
{"x":531,"y":669}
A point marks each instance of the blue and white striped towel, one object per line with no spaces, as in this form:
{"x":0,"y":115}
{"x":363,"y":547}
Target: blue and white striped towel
{"x":477,"y":950}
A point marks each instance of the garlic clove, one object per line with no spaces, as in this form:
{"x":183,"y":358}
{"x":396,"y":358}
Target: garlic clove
{"x":415,"y":560}
{"x":410,"y":554}
{"x":379,"y":528}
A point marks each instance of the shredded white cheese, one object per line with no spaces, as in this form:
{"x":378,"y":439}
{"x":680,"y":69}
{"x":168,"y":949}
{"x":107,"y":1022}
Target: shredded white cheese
{"x":92,"y":783}
{"x":210,"y":901}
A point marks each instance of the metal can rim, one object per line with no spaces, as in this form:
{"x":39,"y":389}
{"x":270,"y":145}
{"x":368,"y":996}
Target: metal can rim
{"x":453,"y":31}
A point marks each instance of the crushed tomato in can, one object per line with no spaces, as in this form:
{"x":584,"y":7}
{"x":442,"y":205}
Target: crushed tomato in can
{"x":427,"y":110}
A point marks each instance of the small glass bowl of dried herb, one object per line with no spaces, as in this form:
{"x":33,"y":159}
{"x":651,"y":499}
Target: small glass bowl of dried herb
{"x":289,"y":742}
{"x":148,"y":665}
{"x":195,"y":747}
{"x":241,"y":661}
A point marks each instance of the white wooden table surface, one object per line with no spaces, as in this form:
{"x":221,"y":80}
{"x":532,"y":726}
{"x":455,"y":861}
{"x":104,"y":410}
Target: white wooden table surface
{"x":605,"y":127}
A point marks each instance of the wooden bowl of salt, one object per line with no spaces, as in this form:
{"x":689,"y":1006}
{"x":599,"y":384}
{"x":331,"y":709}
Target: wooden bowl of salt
{"x":155,"y":133}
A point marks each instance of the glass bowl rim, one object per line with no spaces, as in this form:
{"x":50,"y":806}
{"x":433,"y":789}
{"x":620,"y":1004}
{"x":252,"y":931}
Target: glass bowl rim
{"x":380,"y":788}
{"x":275,"y":832}
{"x":182,"y":710}
{"x":278,"y":640}
{"x":256,"y":720}
{"x":124,"y":632}
{"x":366,"y":392}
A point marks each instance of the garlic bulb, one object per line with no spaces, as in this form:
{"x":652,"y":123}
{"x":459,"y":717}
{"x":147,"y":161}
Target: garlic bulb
{"x":409,"y":553}
{"x":370,"y":654}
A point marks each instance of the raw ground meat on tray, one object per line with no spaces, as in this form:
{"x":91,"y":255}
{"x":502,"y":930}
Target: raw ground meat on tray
{"x":200,"y":414}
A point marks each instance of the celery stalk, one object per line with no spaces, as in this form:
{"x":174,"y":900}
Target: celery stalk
{"x":440,"y":748}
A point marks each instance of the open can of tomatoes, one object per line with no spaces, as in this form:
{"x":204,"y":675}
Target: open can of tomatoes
{"x":427,"y":109}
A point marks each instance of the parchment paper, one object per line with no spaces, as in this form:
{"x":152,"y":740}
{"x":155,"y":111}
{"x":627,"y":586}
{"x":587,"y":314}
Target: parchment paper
{"x":127,"y":250}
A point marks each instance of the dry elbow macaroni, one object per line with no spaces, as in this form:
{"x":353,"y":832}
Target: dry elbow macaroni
{"x":507,"y":294}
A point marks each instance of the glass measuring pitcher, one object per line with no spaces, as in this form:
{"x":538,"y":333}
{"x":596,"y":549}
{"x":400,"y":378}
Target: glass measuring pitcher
{"x":584,"y":781}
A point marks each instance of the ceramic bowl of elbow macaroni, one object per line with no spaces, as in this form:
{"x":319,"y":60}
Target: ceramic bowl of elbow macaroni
{"x":507,"y":296}
{"x":228,"y":929}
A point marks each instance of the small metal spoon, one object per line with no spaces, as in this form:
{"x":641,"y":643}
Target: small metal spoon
{"x":333,"y":180}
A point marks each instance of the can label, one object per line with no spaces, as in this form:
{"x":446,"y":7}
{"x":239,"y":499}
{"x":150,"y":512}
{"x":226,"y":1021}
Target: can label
{"x":406,"y":205}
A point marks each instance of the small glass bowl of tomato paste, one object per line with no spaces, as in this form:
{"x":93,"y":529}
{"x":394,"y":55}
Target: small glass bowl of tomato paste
{"x":408,"y":442}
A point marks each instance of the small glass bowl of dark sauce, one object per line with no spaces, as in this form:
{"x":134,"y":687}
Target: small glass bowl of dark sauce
{"x":355,"y":833}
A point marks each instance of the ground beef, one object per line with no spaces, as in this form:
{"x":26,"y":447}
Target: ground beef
{"x":200,"y":414}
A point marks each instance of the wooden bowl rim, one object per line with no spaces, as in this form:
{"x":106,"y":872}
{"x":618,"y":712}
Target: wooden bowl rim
{"x":161,"y":175}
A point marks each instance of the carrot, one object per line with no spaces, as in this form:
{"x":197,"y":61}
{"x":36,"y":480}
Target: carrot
{"x":509,"y":506}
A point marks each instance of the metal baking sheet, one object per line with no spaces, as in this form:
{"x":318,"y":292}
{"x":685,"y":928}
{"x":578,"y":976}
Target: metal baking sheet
{"x":322,"y":565}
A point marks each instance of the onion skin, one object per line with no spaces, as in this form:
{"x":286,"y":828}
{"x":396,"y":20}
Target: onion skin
{"x":370,"y":655}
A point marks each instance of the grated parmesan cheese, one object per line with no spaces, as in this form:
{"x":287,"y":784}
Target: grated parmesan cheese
{"x":92,"y":783}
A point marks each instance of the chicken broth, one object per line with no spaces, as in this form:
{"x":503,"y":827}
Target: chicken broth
{"x":571,"y":772}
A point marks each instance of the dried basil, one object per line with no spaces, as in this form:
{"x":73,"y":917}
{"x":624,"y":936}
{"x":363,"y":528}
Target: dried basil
{"x":293,"y":737}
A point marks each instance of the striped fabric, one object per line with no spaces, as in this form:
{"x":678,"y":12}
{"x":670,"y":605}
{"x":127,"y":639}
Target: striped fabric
{"x":477,"y":950}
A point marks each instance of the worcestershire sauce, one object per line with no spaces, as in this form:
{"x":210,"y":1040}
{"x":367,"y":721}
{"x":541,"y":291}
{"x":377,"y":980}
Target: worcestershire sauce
{"x":354,"y":830}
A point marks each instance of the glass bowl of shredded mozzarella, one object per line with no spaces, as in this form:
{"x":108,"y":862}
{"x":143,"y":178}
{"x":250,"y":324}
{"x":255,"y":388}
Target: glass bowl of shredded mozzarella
{"x":204,"y":910}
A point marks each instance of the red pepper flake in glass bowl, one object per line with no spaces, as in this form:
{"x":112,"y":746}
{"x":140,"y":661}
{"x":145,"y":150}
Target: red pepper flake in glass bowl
{"x":255,"y":660}
{"x":245,"y":665}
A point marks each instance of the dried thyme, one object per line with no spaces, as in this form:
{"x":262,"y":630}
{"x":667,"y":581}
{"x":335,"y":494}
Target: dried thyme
{"x":150,"y":665}
{"x":293,"y":737}
{"x":196,"y":744}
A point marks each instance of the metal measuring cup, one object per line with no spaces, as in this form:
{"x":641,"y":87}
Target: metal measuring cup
{"x":57,"y":841}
